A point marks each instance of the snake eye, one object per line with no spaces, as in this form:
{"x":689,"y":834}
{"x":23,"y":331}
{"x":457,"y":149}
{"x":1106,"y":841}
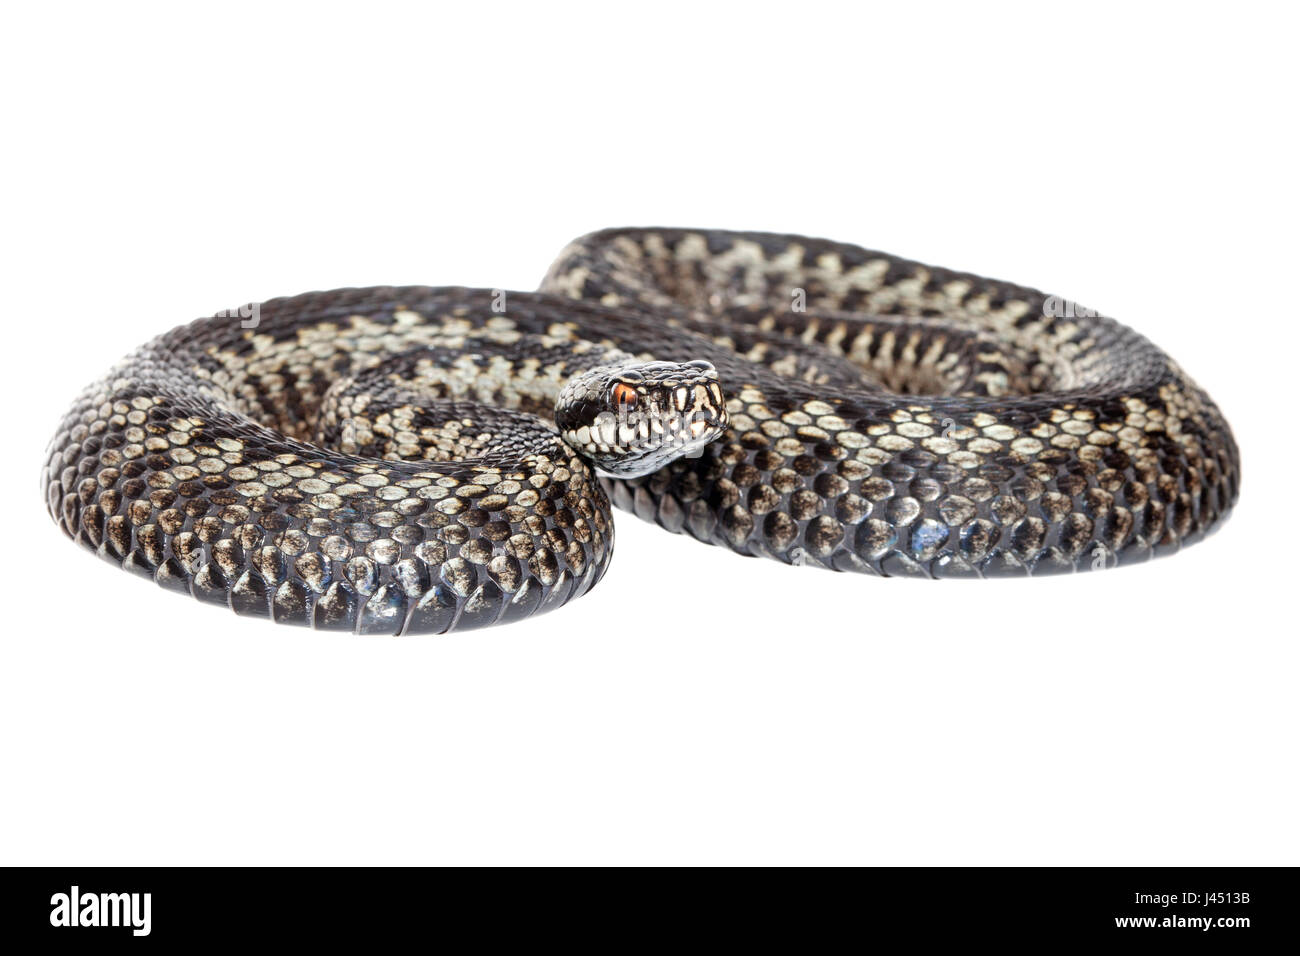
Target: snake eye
{"x":624,"y":395}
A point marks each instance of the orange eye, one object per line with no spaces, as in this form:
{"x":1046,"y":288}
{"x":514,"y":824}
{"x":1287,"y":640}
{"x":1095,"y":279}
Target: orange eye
{"x":624,"y":395}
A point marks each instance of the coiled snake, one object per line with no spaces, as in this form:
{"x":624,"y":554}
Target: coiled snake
{"x":392,"y":460}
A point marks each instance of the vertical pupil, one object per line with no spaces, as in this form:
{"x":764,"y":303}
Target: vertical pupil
{"x":624,"y":395}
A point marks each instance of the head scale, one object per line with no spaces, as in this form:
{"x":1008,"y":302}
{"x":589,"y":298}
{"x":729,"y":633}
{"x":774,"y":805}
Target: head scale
{"x":634,"y":418}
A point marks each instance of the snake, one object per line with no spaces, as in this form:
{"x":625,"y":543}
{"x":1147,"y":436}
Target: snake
{"x":393,"y":460}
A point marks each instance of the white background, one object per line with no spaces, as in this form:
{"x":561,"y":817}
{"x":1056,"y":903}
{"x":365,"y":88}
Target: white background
{"x":165,"y":161}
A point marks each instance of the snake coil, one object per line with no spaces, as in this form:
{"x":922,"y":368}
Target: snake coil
{"x":392,"y":460}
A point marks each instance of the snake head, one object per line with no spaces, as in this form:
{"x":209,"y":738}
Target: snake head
{"x":632,"y":419}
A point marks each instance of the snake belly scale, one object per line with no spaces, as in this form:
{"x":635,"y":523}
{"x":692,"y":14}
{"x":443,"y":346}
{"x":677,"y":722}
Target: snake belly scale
{"x":404,"y":460}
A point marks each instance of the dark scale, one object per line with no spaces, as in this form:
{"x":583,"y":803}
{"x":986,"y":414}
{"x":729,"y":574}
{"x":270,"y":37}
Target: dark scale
{"x":393,"y":460}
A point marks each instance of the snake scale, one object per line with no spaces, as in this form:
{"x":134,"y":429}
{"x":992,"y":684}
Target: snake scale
{"x":402,"y":460}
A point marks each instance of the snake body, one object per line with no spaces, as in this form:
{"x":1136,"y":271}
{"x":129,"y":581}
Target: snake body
{"x":393,"y":460}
